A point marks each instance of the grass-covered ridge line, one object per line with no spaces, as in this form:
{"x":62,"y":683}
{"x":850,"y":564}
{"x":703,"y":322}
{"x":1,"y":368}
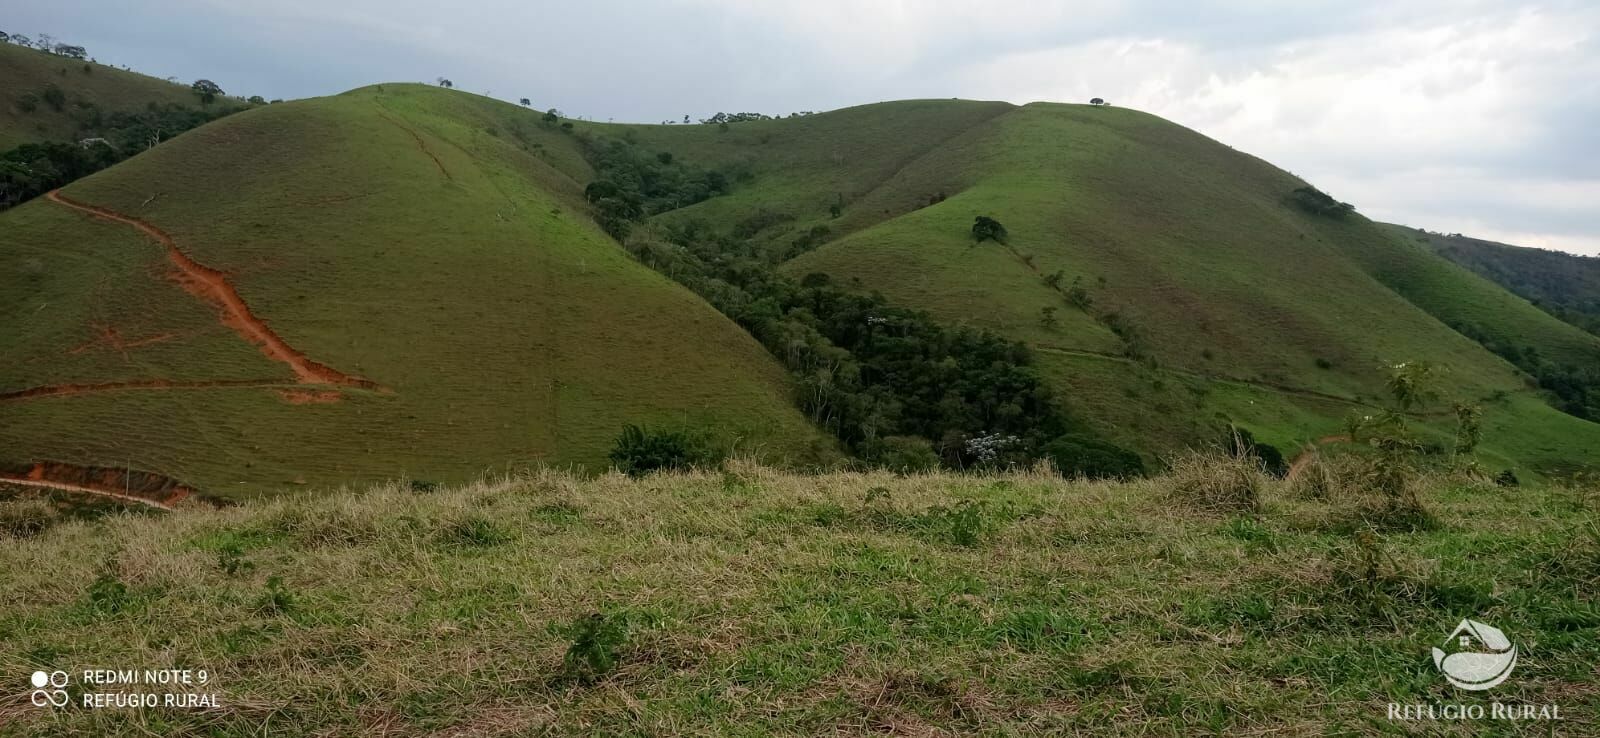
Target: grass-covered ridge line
{"x":427,"y":241}
{"x":759,"y":602}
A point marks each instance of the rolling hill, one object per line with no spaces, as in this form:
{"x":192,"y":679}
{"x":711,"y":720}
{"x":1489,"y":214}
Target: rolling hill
{"x":357,"y":287}
{"x":403,"y":280}
{"x":1246,"y":309}
{"x":1564,"y":285}
{"x":88,"y":91}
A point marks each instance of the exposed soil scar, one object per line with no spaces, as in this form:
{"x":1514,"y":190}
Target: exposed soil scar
{"x":118,"y":484}
{"x":212,"y":286}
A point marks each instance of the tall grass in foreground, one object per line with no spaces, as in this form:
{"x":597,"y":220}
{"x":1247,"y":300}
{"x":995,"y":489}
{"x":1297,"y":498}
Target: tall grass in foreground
{"x":754,"y":601}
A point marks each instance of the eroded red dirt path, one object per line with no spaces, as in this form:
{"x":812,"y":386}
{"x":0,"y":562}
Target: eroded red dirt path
{"x":423,"y":145}
{"x":212,"y":286}
{"x":119,"y":484}
{"x":1305,"y":458}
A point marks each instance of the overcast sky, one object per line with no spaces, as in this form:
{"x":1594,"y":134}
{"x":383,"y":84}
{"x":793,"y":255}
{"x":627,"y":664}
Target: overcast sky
{"x":1456,"y":115}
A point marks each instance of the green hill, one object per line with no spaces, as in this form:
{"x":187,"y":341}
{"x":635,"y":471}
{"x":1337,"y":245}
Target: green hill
{"x":413,"y":294}
{"x":1564,"y":285}
{"x":87,"y":93}
{"x":407,"y":280}
{"x":1242,"y":307}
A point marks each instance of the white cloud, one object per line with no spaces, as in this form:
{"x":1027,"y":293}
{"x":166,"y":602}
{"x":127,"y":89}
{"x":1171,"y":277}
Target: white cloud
{"x":1433,"y":121}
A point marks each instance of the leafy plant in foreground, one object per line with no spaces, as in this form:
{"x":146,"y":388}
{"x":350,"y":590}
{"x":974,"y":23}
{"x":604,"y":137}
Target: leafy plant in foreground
{"x":638,"y":451}
{"x":596,"y":649}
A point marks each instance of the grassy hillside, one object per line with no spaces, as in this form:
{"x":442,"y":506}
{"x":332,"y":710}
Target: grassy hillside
{"x":418,"y":287}
{"x":419,"y":246}
{"x":756,"y":603}
{"x":85,"y":87}
{"x":1241,"y":306}
{"x":1565,"y":285}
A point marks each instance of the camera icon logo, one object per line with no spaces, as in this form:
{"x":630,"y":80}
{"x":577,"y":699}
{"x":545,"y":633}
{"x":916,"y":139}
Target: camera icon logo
{"x":49,"y":689}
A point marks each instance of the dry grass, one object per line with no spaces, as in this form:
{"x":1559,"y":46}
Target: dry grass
{"x":760,"y":602}
{"x":1218,"y":483}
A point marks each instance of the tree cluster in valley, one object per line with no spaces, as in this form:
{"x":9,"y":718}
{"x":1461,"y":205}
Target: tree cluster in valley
{"x":895,"y":386}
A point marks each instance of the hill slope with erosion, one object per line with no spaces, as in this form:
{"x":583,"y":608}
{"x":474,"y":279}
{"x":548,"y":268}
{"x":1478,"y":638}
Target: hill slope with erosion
{"x":1203,"y":295}
{"x":394,"y":281}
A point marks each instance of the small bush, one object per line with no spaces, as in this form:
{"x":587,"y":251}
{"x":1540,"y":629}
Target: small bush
{"x":1317,"y":202}
{"x":1218,"y":482}
{"x":54,"y":97}
{"x":638,"y":451}
{"x":230,"y":559}
{"x":985,"y":228}
{"x":276,"y":600}
{"x":963,"y":525}
{"x":597,"y":641}
{"x":1078,"y":455}
{"x":108,"y":595}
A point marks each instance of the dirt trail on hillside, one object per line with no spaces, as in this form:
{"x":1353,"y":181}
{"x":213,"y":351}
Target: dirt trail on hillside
{"x":212,"y":286}
{"x":1310,"y":454}
{"x":420,"y":145}
{"x":124,"y":485}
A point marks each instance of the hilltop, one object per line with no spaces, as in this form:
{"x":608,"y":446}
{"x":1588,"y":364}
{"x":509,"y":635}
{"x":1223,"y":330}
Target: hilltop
{"x":410,"y":281}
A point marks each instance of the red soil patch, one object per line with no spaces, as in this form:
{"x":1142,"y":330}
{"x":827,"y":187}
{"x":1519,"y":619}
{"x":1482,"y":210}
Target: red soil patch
{"x":308,"y":397}
{"x":420,"y":145}
{"x":126,"y":485}
{"x":212,"y":286}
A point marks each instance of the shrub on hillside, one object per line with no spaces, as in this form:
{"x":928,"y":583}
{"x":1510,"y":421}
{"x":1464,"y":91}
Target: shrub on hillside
{"x":639,"y":451}
{"x":1077,"y":455}
{"x":985,"y":228}
{"x":1317,"y":202}
{"x":596,"y":648}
